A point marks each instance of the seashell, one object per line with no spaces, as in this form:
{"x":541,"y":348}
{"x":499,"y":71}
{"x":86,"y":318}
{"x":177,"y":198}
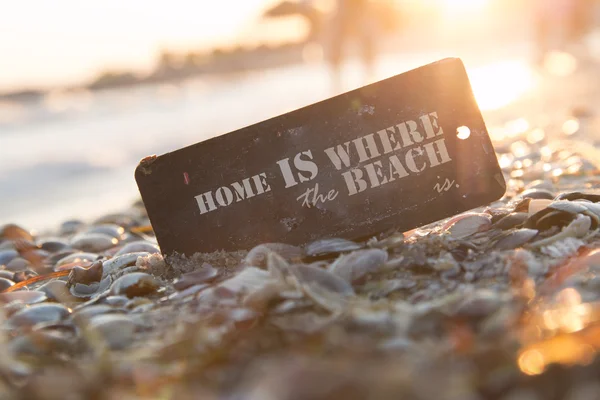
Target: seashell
{"x":93,"y":242}
{"x":354,"y":266}
{"x":593,"y":209}
{"x":7,"y":256}
{"x":54,"y":245}
{"x":571,"y":207}
{"x":70,"y":227}
{"x":479,"y":304}
{"x":257,"y":257}
{"x":593,"y":197}
{"x":121,"y":261}
{"x":548,"y":218}
{"x":5,"y":284}
{"x":112,"y":230}
{"x":86,"y":275}
{"x":14,"y":232}
{"x":87,"y":313}
{"x":76,"y":258}
{"x":42,"y":343}
{"x":134,"y":285}
{"x":309,"y":275}
{"x":7,"y":274}
{"x":121,"y":219}
{"x":540,"y":184}
{"x":537,"y":193}
{"x":278,"y":267}
{"x":260,"y":299}
{"x":84,"y":291}
{"x":563,"y":248}
{"x":514,"y":239}
{"x":205,"y":273}
{"x":510,"y":221}
{"x":18,"y":264}
{"x":465,"y":225}
{"x":537,"y":205}
{"x":116,"y":301}
{"x":188,"y":291}
{"x":248,"y":280}
{"x":56,"y":257}
{"x":333,"y":246}
{"x":65,"y":327}
{"x":21,"y":276}
{"x":116,"y":330}
{"x":56,"y":291}
{"x":29,"y":316}
{"x":139,"y":246}
{"x":136,"y":302}
{"x":389,"y":242}
{"x":24,"y":296}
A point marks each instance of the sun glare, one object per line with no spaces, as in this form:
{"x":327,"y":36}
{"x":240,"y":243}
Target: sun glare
{"x":461,"y":6}
{"x":499,"y":84}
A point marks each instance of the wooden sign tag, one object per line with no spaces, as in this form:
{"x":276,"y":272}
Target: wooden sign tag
{"x":399,"y":153}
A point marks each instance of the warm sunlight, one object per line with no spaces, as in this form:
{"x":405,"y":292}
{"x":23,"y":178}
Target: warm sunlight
{"x":497,"y":85}
{"x":461,"y":6}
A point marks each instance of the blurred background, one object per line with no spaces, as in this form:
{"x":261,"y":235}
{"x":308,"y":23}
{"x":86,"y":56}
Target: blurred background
{"x":88,"y":88}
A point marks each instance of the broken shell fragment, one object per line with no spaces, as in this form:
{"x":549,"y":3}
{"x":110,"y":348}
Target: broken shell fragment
{"x":308,"y":275}
{"x":593,"y":197}
{"x":516,"y":238}
{"x":29,"y":316}
{"x":468,"y":224}
{"x":203,"y":274}
{"x":511,"y":220}
{"x":353,"y":266}
{"x":135,"y":284}
{"x":24,"y":296}
{"x":258,"y":255}
{"x":333,"y":246}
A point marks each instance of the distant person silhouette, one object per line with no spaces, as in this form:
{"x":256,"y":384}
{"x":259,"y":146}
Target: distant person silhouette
{"x":352,"y":19}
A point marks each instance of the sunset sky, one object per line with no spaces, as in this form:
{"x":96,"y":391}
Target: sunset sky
{"x":58,"y":42}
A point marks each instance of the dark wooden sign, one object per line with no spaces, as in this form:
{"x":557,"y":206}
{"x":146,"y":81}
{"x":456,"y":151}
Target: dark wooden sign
{"x":402,"y":152}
